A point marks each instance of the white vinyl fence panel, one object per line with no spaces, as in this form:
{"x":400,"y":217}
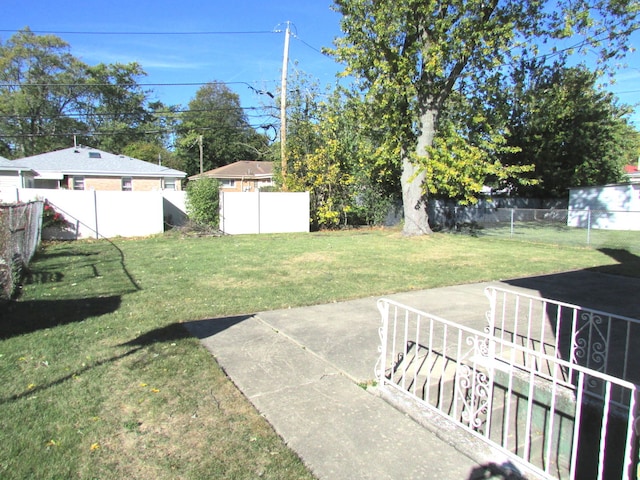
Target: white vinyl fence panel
{"x":268,"y":212}
{"x":93,"y":214}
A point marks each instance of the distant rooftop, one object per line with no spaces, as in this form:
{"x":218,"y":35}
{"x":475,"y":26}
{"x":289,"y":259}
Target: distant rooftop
{"x":10,"y":165}
{"x":247,"y":169}
{"x":83,"y":160}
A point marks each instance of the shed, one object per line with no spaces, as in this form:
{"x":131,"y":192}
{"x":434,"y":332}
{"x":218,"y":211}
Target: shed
{"x":613,"y":207}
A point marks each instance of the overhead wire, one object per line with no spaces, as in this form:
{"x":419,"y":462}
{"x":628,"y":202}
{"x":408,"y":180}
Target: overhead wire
{"x":88,"y":32}
{"x":555,"y":52}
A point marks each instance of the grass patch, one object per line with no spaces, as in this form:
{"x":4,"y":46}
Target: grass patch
{"x":560,"y":233}
{"x":100,"y":380}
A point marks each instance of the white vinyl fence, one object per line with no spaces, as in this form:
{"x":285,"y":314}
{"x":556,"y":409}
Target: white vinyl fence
{"x":94,"y":214}
{"x":267,"y":212}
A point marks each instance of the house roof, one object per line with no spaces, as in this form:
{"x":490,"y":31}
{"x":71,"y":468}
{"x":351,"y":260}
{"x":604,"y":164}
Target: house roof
{"x":7,"y":165}
{"x":84,"y":160}
{"x":244,"y":169}
{"x":633,"y":172}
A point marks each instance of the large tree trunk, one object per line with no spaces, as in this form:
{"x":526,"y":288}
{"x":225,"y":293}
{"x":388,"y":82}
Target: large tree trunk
{"x":414,"y":202}
{"x":414,"y":197}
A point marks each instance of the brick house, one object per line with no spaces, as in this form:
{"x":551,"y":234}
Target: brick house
{"x":86,"y":168}
{"x":242,"y":176}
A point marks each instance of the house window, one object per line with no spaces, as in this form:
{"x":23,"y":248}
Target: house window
{"x":228,"y":183}
{"x":127,"y":184}
{"x":169,"y":183}
{"x":78,"y":183}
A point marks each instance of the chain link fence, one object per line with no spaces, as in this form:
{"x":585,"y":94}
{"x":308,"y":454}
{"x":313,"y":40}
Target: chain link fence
{"x":20,"y":226}
{"x":594,"y":228}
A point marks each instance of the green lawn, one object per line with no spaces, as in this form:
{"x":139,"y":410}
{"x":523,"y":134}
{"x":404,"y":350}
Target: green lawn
{"x":560,"y":233}
{"x":100,"y":380}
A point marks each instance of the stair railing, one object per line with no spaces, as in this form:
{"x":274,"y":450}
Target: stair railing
{"x":562,"y":419}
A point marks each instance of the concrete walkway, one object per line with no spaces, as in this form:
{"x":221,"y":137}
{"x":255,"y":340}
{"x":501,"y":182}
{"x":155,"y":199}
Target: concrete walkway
{"x":302,"y":367}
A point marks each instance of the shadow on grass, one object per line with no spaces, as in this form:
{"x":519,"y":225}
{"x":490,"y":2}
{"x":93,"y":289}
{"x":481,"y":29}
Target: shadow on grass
{"x":169,"y":333}
{"x":615,"y":291}
{"x":29,"y":316}
{"x":21,"y":317}
{"x":176,"y":331}
{"x":70,"y":376}
{"x":628,"y":263}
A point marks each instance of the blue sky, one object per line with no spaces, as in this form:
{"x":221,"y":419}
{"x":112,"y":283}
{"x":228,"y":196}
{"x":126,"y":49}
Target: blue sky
{"x":255,"y":59}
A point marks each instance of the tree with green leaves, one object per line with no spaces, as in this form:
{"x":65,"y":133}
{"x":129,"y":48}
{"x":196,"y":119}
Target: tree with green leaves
{"x":409,"y":56}
{"x":157,"y":144}
{"x":319,"y":151}
{"x":330,"y":157}
{"x":42,"y":86}
{"x":216,"y":119}
{"x":116,"y":106}
{"x":574,"y":132}
{"x":48,"y":96}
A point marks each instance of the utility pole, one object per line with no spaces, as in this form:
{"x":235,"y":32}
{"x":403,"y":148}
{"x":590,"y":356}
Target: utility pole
{"x":283,"y":106}
{"x":200,"y":146}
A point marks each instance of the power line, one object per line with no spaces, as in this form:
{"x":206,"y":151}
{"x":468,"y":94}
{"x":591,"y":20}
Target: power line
{"x":134,"y":84}
{"x":53,"y":32}
{"x":264,"y":126}
{"x":310,"y":46}
{"x":160,"y":113}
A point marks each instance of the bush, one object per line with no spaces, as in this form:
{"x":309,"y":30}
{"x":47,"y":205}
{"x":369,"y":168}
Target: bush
{"x":203,"y":200}
{"x":52,"y":218}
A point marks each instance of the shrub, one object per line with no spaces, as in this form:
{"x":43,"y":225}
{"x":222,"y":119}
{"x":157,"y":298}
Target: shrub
{"x":52,"y":218}
{"x":203,"y":199}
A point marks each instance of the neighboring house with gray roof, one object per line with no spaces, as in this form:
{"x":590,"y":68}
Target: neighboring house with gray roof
{"x":86,"y":168}
{"x":242,"y":176}
{"x":12,"y":175}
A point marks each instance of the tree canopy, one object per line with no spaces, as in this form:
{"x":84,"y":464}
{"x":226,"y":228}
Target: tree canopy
{"x":410,"y":56}
{"x":572,"y":131}
{"x":215,"y":114}
{"x":37,"y":99}
{"x":47,"y":96}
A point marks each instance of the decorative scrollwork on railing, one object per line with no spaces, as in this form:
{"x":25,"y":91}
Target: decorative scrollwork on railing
{"x":488,"y":316}
{"x":474,"y":389}
{"x":473,"y":385}
{"x":379,"y":368}
{"x":590,"y":342}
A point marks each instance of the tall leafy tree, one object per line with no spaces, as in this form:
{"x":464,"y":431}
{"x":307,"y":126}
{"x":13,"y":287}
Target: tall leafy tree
{"x":40,"y":89}
{"x":116,"y":105}
{"x":215,"y":115}
{"x":321,"y":151}
{"x":409,"y":56}
{"x":572,"y":131}
{"x":330,"y":156}
{"x":48,"y":96}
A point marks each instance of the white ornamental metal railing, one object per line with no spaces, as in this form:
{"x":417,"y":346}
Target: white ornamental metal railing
{"x":595,"y":339}
{"x":562,"y":420}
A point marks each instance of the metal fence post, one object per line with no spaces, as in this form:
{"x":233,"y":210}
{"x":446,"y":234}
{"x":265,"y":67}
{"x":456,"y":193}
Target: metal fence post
{"x":512,"y":220}
{"x":588,"y":226}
